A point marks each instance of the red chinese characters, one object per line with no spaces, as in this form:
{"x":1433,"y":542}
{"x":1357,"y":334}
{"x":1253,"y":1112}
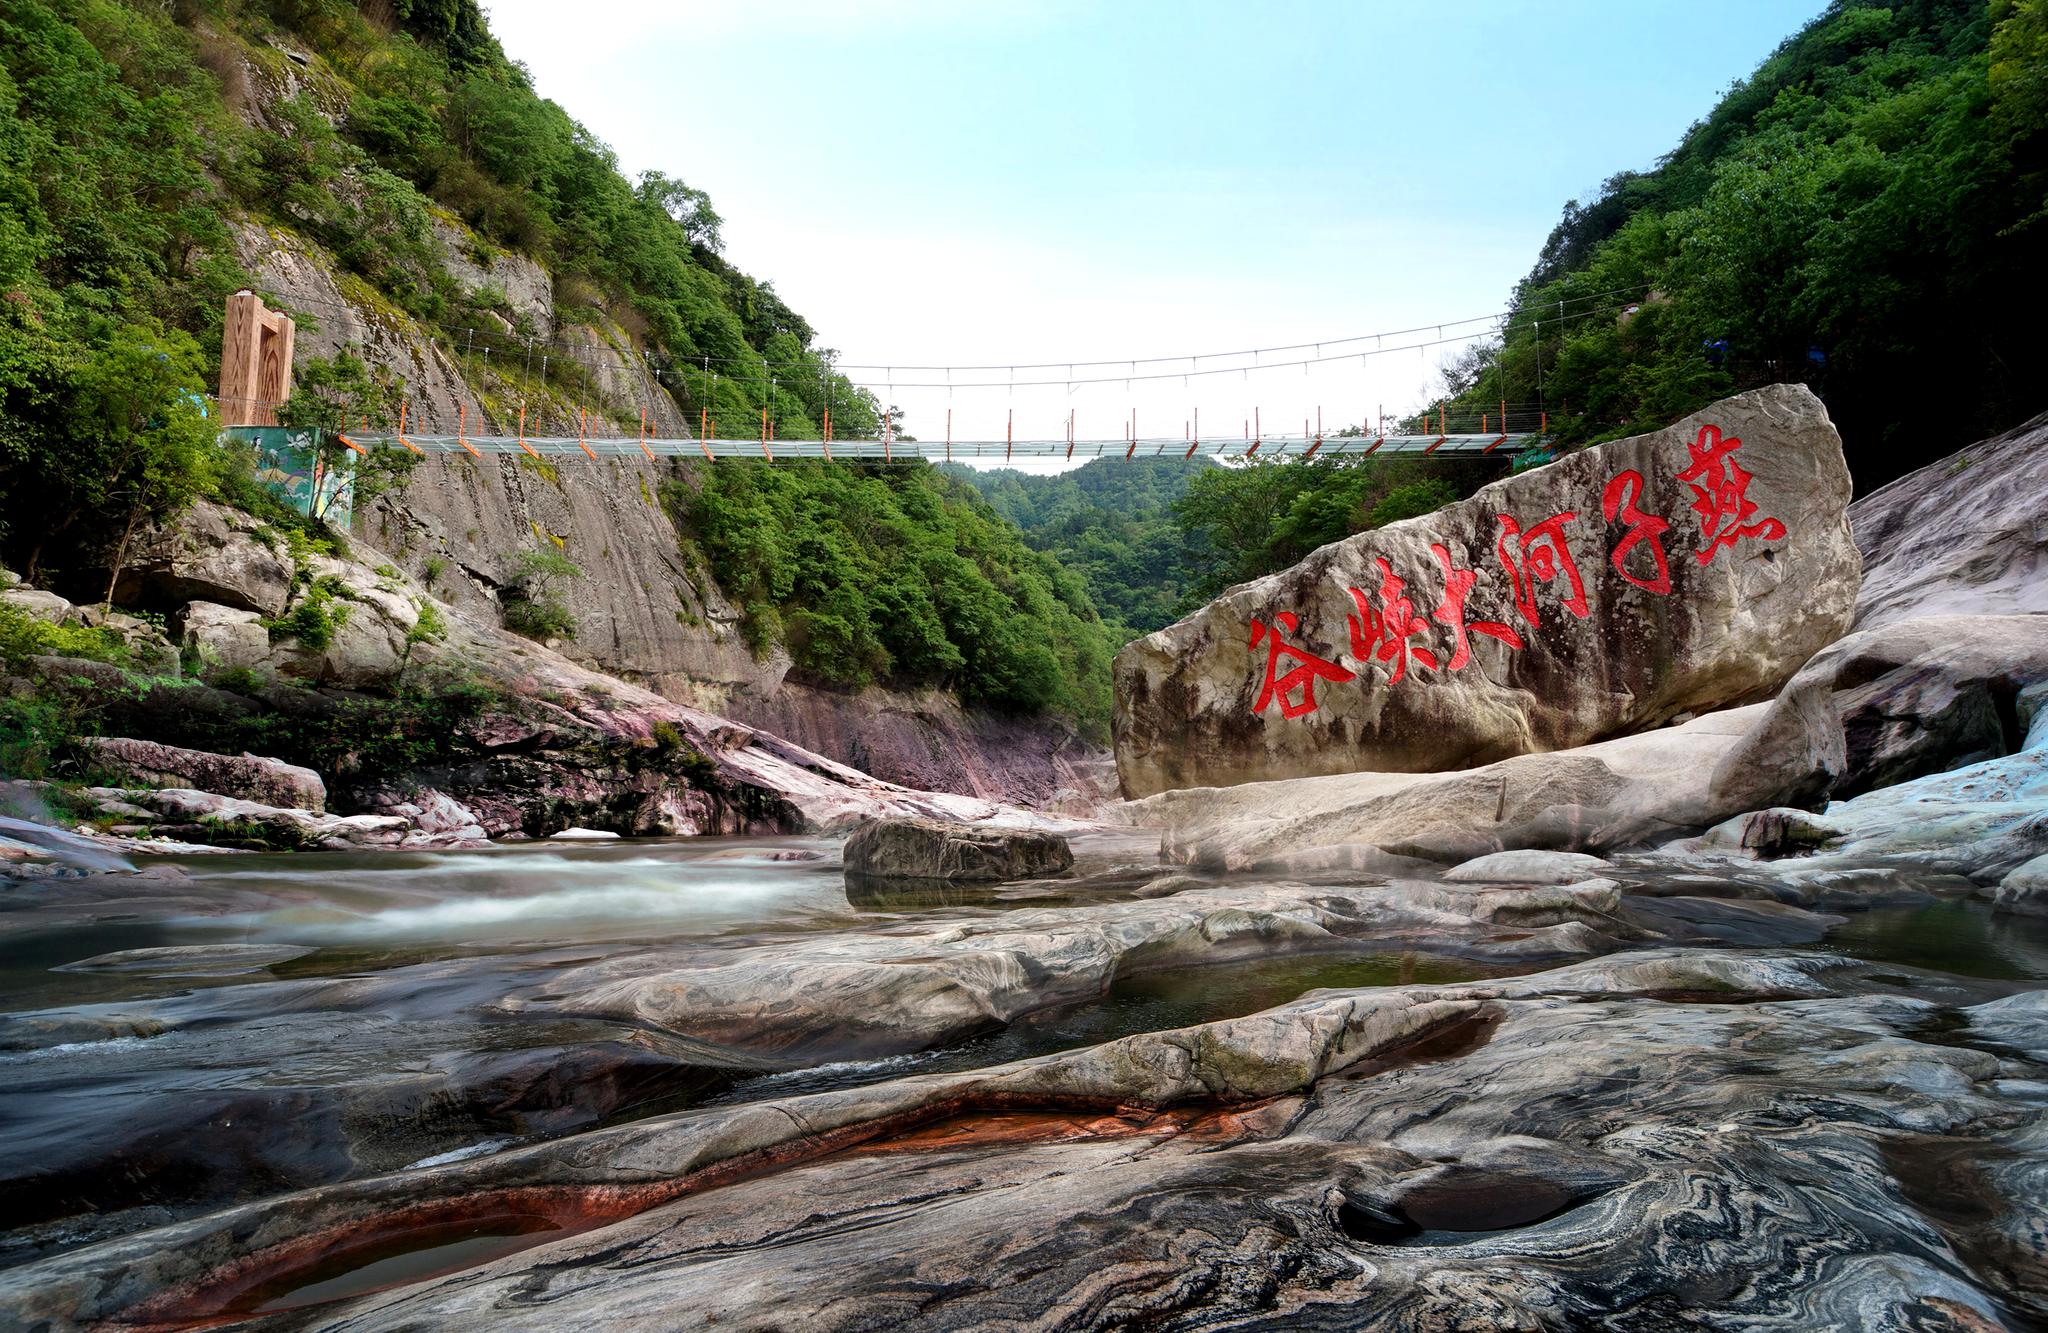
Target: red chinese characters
{"x":1720,"y":490}
{"x":1300,"y":678}
{"x":1620,"y":500}
{"x":1543,"y":555}
{"x":1450,"y":611}
{"x":1385,"y":633}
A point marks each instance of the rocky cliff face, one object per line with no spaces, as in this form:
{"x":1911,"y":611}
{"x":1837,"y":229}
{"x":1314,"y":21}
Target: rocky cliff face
{"x":554,"y":744}
{"x":1614,"y":590}
{"x":643,"y":612}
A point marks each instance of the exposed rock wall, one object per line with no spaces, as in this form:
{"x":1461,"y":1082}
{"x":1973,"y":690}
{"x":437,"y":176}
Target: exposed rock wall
{"x":1964,"y":535}
{"x":928,"y":740}
{"x":1614,"y":590}
{"x":643,"y":612}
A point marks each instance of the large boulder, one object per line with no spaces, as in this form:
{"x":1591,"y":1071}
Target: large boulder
{"x":224,"y":636}
{"x":1617,"y":589}
{"x":1893,"y":703}
{"x":1961,"y":536}
{"x":934,"y":849}
{"x":212,"y":553}
{"x":247,"y":777}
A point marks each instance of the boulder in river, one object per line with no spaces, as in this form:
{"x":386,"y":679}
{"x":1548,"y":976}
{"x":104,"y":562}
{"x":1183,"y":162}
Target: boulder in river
{"x":1613,"y":591}
{"x":934,"y":849}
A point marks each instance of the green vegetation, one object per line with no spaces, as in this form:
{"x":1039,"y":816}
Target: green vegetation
{"x":313,"y":617}
{"x":1865,"y":213}
{"x":130,"y":133}
{"x":1109,"y":522}
{"x":898,"y":575}
{"x":1155,"y":540}
{"x":533,"y":604}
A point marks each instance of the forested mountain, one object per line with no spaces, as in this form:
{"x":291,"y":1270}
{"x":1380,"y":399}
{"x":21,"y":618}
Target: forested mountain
{"x":1111,"y":523}
{"x":1867,"y":213}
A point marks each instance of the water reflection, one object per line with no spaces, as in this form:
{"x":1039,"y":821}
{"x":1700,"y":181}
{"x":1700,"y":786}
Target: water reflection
{"x":1962,"y":936}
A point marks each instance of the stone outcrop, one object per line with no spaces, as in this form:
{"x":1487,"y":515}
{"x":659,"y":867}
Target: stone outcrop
{"x":248,"y":777}
{"x":205,"y":817}
{"x":930,"y":849}
{"x":223,"y":636}
{"x":212,"y":554}
{"x":1691,"y":569}
{"x":1898,"y":701}
{"x":926,"y":739}
{"x":644,"y":612}
{"x":1982,"y":821}
{"x":1596,"y":798}
{"x":1587,"y":1147}
{"x":1962,"y":536}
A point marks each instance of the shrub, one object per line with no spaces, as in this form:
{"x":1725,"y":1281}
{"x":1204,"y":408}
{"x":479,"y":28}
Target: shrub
{"x":313,"y":619}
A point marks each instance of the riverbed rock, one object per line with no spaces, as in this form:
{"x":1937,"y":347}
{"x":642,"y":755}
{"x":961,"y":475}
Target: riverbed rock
{"x":931,"y":849}
{"x":204,"y":816}
{"x":1895,"y":702}
{"x":1962,"y":536}
{"x":1528,"y":867}
{"x":1604,"y":1145}
{"x":2025,"y":888}
{"x":1615,"y":637}
{"x":246,"y":776}
{"x":209,"y":553}
{"x":1634,"y":790}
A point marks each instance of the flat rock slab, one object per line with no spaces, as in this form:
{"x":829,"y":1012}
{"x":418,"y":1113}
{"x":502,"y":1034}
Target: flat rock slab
{"x":1614,"y":590}
{"x":1528,"y":867}
{"x":931,"y":849}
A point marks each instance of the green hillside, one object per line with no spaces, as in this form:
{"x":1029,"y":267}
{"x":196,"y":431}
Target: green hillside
{"x":134,"y":136}
{"x":1867,"y":213}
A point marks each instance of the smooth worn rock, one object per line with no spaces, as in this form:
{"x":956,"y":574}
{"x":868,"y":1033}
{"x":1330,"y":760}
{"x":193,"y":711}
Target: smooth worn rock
{"x":1614,"y":590}
{"x":1962,"y":536}
{"x":1589,"y":1147}
{"x":212,"y":553}
{"x":203,"y":816}
{"x":2025,"y":888}
{"x":1635,"y":790}
{"x":1980,"y":821}
{"x":226,"y":637}
{"x":1892,"y":703}
{"x":933,"y":849}
{"x":247,"y":777}
{"x":1528,"y":867}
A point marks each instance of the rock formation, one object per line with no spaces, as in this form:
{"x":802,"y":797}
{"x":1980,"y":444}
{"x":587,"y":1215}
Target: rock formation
{"x":1619,"y":588}
{"x":645,"y":613}
{"x":932,"y":849}
{"x":1962,"y":536}
{"x":1602,"y":1145}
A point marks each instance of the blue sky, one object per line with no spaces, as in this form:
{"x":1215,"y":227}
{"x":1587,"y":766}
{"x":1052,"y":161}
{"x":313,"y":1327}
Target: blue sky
{"x":1009,"y":182}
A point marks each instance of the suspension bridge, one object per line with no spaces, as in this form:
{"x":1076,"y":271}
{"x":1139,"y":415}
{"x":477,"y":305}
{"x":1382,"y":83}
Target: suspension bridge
{"x":653,"y":448}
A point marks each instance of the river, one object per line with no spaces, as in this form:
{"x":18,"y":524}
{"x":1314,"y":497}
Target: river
{"x":245,"y":1025}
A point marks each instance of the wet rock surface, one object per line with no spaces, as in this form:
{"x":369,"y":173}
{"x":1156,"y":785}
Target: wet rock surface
{"x":1611,"y":640}
{"x":1962,"y":536}
{"x":1647,"y":1140}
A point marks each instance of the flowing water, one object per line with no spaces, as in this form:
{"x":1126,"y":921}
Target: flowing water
{"x":264,"y":1023}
